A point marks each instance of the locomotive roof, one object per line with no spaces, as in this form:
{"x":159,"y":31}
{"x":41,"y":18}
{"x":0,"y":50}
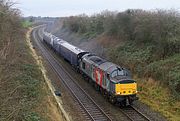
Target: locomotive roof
{"x":118,"y":79}
{"x":73,"y":48}
{"x":108,"y":67}
{"x":102,"y":63}
{"x":97,"y":60}
{"x":94,"y":59}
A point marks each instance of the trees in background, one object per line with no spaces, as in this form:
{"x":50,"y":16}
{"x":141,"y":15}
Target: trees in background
{"x":160,"y":28}
{"x":10,"y":22}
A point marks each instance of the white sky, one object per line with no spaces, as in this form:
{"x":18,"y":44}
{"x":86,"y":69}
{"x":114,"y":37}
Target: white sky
{"x":60,"y":8}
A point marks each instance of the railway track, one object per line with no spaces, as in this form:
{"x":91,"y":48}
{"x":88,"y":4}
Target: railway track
{"x":133,"y":114}
{"x":91,"y":110}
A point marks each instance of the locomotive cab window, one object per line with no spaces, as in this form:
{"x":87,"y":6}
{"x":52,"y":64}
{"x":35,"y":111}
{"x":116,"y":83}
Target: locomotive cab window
{"x":83,"y":65}
{"x":127,"y":81}
{"x":117,"y":72}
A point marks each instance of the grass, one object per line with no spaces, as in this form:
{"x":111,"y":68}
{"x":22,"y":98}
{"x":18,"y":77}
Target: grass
{"x":27,"y":82}
{"x":24,"y":93}
{"x":22,"y":87}
{"x":159,"y":98}
{"x":26,"y":23}
{"x":32,"y":117}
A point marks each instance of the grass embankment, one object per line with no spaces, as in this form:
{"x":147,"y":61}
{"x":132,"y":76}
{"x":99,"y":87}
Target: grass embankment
{"x":24,"y":95}
{"x":26,"y":23}
{"x":146,"y":42}
{"x":159,"y":98}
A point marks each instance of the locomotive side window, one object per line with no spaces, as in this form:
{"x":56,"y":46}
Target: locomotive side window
{"x":120,"y":72}
{"x":117,"y":72}
{"x":83,"y":65}
{"x":114,"y":74}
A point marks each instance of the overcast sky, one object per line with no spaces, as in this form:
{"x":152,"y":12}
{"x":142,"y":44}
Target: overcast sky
{"x":59,"y":8}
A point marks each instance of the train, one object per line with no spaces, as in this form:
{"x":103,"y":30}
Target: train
{"x":114,"y":82}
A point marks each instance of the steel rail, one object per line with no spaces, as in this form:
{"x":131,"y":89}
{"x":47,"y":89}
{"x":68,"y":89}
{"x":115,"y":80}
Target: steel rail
{"x":133,"y":114}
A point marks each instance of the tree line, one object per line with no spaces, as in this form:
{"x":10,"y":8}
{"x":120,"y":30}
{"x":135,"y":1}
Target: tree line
{"x":160,"y":27}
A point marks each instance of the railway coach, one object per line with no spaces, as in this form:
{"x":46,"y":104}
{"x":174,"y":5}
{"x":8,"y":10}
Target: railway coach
{"x":70,"y":53}
{"x":50,"y":39}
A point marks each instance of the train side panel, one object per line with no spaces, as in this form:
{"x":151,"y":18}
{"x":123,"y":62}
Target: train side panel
{"x":68,"y":55}
{"x":97,"y":75}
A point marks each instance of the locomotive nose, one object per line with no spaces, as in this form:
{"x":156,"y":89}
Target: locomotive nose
{"x":126,"y":89}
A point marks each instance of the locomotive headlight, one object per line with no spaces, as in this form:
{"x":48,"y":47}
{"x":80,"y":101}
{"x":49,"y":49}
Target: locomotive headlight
{"x":118,"y":93}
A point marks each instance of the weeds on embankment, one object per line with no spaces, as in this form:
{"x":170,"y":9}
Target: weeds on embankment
{"x":24,"y":96}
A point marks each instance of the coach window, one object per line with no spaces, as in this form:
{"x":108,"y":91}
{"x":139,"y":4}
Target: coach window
{"x":83,"y":65}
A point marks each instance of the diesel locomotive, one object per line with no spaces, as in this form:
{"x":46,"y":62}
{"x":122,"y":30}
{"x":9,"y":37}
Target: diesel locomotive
{"x":113,"y":81}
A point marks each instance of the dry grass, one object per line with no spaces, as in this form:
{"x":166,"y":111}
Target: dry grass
{"x":23,"y":92}
{"x":160,"y":99}
{"x":22,"y":87}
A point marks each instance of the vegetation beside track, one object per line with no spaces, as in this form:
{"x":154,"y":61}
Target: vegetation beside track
{"x":24,"y":95}
{"x":146,"y":42}
{"x":26,"y":23}
{"x":159,"y":98}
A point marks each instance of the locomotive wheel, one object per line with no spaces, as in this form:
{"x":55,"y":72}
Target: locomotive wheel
{"x":101,"y":90}
{"x":96,"y":87}
{"x":91,"y":82}
{"x":105,"y":94}
{"x":123,"y":103}
{"x":112,"y":99}
{"x":86,"y":78}
{"x":131,"y":102}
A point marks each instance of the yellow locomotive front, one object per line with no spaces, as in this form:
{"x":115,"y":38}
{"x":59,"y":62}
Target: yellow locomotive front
{"x":126,"y":87}
{"x":125,"y":91}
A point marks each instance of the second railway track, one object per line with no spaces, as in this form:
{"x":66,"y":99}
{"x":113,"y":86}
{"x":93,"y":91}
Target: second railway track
{"x":93,"y":111}
{"x":133,"y":114}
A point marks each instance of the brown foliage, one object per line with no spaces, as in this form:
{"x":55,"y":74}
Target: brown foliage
{"x":10,"y":26}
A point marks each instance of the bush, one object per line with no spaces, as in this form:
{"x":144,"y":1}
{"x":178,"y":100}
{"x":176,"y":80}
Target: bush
{"x":160,"y":28}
